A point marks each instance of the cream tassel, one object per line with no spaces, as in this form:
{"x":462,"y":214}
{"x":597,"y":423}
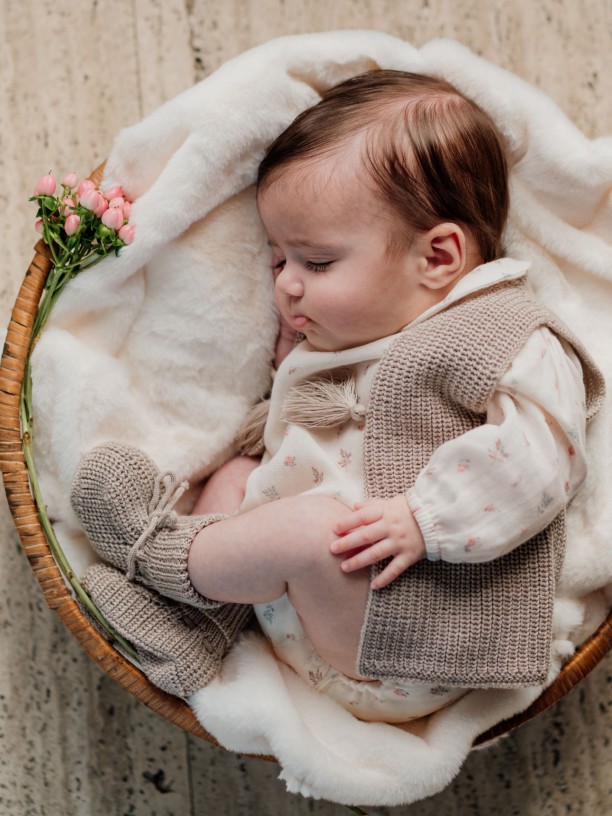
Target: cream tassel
{"x":324,"y":402}
{"x":250,"y":438}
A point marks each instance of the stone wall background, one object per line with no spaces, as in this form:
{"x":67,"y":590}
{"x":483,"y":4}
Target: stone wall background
{"x":72,"y":742}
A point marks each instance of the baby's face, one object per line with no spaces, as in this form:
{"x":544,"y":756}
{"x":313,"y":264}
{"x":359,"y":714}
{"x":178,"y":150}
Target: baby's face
{"x":335,"y":282}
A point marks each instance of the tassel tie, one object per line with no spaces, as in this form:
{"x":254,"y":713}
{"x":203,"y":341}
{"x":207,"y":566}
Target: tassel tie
{"x":166,"y":493}
{"x":326,"y":401}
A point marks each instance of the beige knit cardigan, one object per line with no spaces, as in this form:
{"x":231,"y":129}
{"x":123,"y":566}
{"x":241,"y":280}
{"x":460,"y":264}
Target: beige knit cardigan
{"x":475,"y":624}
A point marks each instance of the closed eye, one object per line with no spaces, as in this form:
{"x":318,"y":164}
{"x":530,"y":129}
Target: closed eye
{"x":317,"y":267}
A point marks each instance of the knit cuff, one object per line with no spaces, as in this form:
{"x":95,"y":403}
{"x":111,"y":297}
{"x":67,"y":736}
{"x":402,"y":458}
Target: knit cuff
{"x":426,"y":525}
{"x":163,"y":565}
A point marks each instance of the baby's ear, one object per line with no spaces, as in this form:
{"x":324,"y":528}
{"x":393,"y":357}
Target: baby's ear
{"x":445,"y":252}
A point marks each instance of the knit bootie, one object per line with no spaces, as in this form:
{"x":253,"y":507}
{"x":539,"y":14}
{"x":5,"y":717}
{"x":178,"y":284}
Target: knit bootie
{"x":125,"y":506}
{"x":180,"y":648}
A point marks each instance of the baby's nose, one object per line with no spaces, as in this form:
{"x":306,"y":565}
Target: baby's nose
{"x":290,"y":283}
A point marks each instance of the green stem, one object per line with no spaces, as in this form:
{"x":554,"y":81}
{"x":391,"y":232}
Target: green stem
{"x":25,"y":414}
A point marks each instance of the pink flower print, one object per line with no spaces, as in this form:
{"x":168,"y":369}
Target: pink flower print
{"x":498,"y":453}
{"x":490,"y":508}
{"x":317,"y":475}
{"x":292,"y":370}
{"x":345,"y":459}
{"x":463,"y":465}
{"x":471,"y":543}
{"x":400,"y":693}
{"x":566,"y":487}
{"x":289,"y":461}
{"x":571,"y":450}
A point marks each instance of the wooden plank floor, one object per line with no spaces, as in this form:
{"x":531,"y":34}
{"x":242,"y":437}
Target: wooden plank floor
{"x":72,"y":743}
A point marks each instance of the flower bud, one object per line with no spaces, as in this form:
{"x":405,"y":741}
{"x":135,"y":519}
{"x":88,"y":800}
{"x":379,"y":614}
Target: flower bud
{"x":68,"y":205}
{"x":72,"y":224}
{"x":46,"y":186}
{"x":84,"y":186}
{"x":89,"y":198}
{"x":126,"y":233}
{"x":127,"y":209}
{"x":102,"y":205}
{"x":39,"y":225}
{"x":113,"y":218}
{"x":116,"y":202}
{"x":114,"y":192}
{"x":70,"y":180}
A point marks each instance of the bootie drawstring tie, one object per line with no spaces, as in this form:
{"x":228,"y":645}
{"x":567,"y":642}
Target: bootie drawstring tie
{"x":166,"y":492}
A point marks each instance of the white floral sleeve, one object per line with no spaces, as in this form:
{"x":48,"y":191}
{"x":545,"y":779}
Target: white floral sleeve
{"x":491,"y":489}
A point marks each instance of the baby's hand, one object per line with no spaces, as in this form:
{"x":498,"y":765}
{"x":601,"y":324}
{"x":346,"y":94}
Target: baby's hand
{"x":379,"y":529}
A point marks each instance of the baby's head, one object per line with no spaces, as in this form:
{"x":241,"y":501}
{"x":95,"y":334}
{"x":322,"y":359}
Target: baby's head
{"x":403,"y":158}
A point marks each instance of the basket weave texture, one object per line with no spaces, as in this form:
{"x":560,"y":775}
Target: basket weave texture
{"x":58,"y":596}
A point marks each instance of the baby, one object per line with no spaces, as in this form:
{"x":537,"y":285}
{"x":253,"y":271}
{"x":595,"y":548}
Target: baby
{"x":401,"y":537}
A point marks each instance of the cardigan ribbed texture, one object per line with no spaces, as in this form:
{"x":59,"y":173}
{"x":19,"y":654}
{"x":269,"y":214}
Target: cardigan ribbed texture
{"x":485,"y":624}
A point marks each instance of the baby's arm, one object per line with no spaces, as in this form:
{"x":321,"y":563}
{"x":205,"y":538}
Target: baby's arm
{"x":491,"y":489}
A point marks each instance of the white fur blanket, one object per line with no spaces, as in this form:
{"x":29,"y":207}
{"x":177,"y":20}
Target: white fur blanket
{"x":166,"y":346}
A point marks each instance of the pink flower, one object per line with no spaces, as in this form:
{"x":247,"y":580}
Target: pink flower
{"x":46,"y":186}
{"x":116,"y":202}
{"x":84,"y":186}
{"x":39,"y":225}
{"x":89,"y":197}
{"x":114,"y":192}
{"x":70,"y":180}
{"x":72,"y":224}
{"x":69,"y":205}
{"x":127,"y":210}
{"x":126,"y":233}
{"x":102,"y":206}
{"x":113,"y":218}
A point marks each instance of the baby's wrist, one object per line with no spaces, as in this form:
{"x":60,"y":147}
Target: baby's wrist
{"x":426,"y":526}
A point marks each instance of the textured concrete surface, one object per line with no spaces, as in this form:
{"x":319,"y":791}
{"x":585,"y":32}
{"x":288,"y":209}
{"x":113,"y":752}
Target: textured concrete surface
{"x":72,"y":743}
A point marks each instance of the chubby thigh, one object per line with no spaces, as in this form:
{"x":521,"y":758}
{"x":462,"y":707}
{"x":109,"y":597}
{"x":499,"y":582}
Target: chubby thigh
{"x":283,"y":547}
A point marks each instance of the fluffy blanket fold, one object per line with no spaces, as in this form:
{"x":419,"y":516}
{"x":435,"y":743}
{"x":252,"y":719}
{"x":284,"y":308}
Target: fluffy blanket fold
{"x":167,"y":345}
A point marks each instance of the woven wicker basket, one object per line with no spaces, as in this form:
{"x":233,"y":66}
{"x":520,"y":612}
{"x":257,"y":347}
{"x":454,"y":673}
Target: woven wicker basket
{"x":59,"y":597}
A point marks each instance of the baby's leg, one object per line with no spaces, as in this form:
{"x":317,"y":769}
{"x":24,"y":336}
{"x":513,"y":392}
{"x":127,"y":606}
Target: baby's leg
{"x":224,"y":490}
{"x":283,"y":547}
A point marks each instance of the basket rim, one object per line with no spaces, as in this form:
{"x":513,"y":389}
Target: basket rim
{"x":56,"y":593}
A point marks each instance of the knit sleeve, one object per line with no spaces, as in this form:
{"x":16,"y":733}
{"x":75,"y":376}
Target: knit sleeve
{"x":494,"y":487}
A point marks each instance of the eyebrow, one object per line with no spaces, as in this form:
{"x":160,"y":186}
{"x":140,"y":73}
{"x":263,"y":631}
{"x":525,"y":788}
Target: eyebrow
{"x":299,"y":243}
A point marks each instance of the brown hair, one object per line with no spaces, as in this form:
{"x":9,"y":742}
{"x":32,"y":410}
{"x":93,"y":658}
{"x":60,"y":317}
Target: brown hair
{"x":432,"y":154}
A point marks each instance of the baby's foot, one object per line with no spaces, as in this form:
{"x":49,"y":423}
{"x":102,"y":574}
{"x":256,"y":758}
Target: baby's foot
{"x":125,"y":506}
{"x":180,"y":648}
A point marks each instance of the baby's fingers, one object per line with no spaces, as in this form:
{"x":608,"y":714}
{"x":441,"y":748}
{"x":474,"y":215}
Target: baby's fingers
{"x":368,"y":556}
{"x":366,"y":514}
{"x":393,"y":570}
{"x":360,"y":537}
